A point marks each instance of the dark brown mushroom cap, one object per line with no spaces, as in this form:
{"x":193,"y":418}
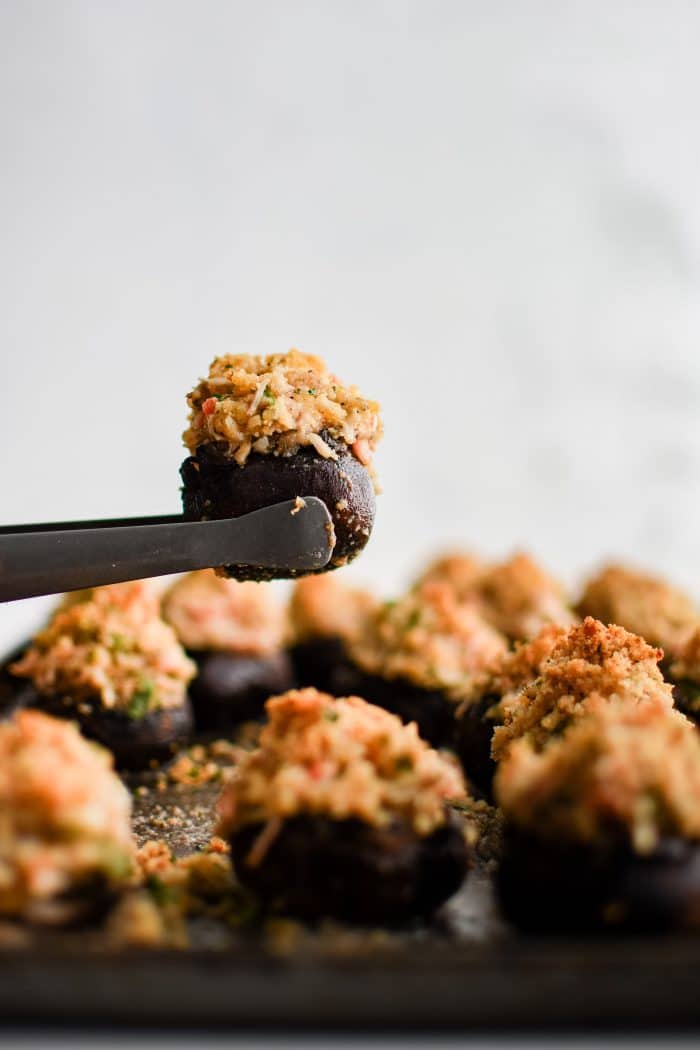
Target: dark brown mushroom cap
{"x":214,"y":486}
{"x":547,"y":886}
{"x":431,"y":709}
{"x":230,"y":688}
{"x":134,"y":742}
{"x":317,"y":662}
{"x":473,"y":732}
{"x":686,"y":697}
{"x":317,"y":868}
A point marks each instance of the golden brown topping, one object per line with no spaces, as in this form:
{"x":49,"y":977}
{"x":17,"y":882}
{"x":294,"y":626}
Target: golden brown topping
{"x":623,"y":768}
{"x":686,"y":666}
{"x":594,"y":644}
{"x":211,"y":612}
{"x":275,"y":405}
{"x":518,"y":598}
{"x":643,"y":604}
{"x":432,"y":639}
{"x":517,"y":668}
{"x":524,"y":663}
{"x":325,"y":607}
{"x":589,"y":660}
{"x":342,"y":758}
{"x":110,"y":647}
{"x":64,"y":813}
{"x":460,"y":569}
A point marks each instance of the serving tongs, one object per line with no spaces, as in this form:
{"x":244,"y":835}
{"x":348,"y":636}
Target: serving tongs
{"x":294,"y":537}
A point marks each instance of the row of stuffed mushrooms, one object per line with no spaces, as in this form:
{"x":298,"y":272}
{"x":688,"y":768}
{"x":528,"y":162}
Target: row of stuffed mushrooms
{"x":344,"y":808}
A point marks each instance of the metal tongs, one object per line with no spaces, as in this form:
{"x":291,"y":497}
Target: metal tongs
{"x":294,"y":537}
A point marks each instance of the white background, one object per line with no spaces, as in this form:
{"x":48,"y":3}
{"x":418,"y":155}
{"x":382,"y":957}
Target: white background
{"x":486,"y":214}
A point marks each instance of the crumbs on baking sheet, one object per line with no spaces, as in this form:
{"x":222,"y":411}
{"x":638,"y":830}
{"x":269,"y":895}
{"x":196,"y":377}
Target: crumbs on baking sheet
{"x":483,"y":829}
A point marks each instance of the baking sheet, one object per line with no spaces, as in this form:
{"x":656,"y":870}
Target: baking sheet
{"x":466,"y":969}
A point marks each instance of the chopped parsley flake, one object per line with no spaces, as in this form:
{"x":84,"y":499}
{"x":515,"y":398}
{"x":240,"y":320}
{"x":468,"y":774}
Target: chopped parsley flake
{"x":160,"y":891}
{"x":140,"y":701}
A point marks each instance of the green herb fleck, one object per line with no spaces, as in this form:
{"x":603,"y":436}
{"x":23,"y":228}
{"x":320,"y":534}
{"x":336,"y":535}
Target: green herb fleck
{"x":118,"y":643}
{"x":413,"y":620}
{"x":160,"y":891}
{"x":140,"y":701}
{"x":330,"y":715}
{"x":404,"y":764}
{"x":313,"y":391}
{"x":269,"y":395}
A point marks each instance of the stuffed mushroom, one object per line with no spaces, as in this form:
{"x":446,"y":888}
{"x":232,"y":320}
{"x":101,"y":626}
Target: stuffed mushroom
{"x":325,"y":616}
{"x":107,"y":660}
{"x":602,"y":826}
{"x":518,"y":598}
{"x":588,"y":664}
{"x":479,"y":714}
{"x":644,"y":604}
{"x":459,"y":569}
{"x":66,"y":848}
{"x":342,"y":812}
{"x":267,"y":429}
{"x":420,"y":656}
{"x":235,"y":633}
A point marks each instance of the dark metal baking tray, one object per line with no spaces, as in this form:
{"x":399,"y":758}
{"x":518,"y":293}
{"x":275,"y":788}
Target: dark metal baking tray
{"x":466,"y":970}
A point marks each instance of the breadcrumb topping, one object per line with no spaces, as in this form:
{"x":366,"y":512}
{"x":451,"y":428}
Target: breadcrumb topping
{"x":275,"y":405}
{"x":343,"y":758}
{"x":629,"y":769}
{"x":644,"y":604}
{"x":588,"y":661}
{"x":431,"y":639}
{"x":110,"y":647}
{"x":460,"y":569}
{"x":325,"y":607}
{"x":524,"y":663}
{"x":211,"y":612}
{"x":64,"y":814}
{"x":516,"y":669}
{"x":518,"y":598}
